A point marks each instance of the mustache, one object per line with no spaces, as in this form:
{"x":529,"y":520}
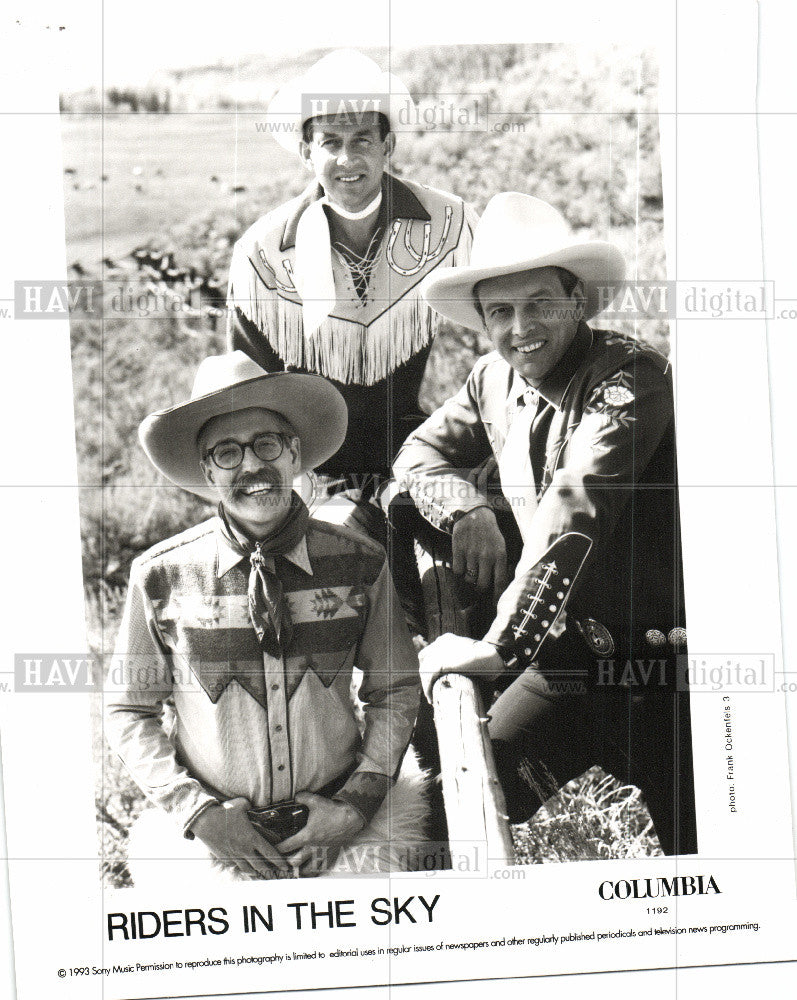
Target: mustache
{"x":247,"y":479}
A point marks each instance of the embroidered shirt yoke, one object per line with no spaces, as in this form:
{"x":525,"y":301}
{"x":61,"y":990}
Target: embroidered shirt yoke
{"x":244,"y":723}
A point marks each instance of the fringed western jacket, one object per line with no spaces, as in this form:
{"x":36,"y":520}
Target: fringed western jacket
{"x":374,"y":345}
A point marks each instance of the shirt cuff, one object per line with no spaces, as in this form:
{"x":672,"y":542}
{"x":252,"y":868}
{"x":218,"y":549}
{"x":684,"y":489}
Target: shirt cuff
{"x":512,"y":661}
{"x":187,"y":831}
{"x":445,"y":500}
{"x":365,"y":791}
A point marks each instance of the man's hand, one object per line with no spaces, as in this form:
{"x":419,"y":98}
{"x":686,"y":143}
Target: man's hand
{"x":456,"y":654}
{"x":229,"y":835}
{"x":479,"y":551}
{"x":330,"y":826}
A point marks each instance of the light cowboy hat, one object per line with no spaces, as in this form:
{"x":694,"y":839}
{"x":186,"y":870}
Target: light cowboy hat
{"x":230,"y":382}
{"x":346,"y":80}
{"x":520,"y":233}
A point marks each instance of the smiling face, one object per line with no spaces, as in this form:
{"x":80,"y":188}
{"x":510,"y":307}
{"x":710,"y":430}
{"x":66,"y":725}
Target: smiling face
{"x":348,"y":156}
{"x":531,"y":319}
{"x":257,"y":492}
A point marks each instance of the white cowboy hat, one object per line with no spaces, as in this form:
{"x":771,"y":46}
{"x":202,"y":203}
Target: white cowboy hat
{"x":350,"y":81}
{"x":230,"y":382}
{"x":520,"y":233}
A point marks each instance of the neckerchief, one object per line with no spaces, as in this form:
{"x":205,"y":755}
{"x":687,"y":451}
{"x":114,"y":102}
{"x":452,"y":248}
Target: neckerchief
{"x":268,"y":610}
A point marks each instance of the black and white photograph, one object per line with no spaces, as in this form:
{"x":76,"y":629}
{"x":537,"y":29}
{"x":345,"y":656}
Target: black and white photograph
{"x":417,"y":456}
{"x":370,"y":280}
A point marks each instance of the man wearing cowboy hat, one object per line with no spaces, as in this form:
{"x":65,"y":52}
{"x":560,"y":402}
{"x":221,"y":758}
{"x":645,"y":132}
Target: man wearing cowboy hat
{"x":329,"y":282}
{"x":553,"y":473}
{"x":251,"y":623}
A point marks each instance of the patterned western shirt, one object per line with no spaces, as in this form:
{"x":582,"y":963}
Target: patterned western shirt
{"x":199,"y":713}
{"x":604,"y":537}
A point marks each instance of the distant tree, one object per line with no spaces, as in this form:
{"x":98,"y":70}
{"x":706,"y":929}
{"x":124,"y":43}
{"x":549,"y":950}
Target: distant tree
{"x":116,"y":97}
{"x":150,"y":102}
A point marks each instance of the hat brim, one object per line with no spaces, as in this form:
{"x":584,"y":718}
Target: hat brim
{"x":310,"y":404}
{"x":600,"y":265}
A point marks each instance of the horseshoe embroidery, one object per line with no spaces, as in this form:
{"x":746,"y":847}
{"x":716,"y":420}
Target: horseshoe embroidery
{"x":421,"y":259}
{"x":291,"y":287}
{"x":289,"y":271}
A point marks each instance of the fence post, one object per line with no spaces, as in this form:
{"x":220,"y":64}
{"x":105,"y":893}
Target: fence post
{"x":474,"y":800}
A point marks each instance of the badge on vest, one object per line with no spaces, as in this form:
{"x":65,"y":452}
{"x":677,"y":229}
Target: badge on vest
{"x":597,"y":637}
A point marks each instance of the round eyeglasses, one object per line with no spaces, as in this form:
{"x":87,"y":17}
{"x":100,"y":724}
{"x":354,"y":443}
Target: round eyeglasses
{"x":229,"y":454}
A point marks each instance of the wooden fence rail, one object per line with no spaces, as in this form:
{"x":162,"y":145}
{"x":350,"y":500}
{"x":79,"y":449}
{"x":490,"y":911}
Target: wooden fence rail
{"x":474,"y":800}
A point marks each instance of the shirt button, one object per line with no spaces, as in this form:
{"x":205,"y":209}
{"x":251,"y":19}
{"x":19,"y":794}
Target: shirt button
{"x":275,"y":687}
{"x":280,"y":767}
{"x":277,"y":729}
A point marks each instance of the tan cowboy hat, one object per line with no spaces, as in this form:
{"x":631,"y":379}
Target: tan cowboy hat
{"x":520,"y":233}
{"x":350,"y":81}
{"x":229,"y":382}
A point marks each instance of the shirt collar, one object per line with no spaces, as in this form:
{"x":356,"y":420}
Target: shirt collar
{"x":398,"y":202}
{"x":228,"y":557}
{"x":554,"y":386}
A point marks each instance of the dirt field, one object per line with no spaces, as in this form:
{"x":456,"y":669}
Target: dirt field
{"x":159,"y":173}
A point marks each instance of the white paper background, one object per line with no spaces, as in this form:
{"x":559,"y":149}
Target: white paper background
{"x":711,"y":170}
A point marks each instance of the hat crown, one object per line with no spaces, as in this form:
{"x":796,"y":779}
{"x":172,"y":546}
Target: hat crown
{"x":222,"y":371}
{"x":516,"y":226}
{"x":347,"y":70}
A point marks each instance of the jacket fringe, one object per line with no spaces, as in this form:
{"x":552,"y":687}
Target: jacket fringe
{"x":340,"y":349}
